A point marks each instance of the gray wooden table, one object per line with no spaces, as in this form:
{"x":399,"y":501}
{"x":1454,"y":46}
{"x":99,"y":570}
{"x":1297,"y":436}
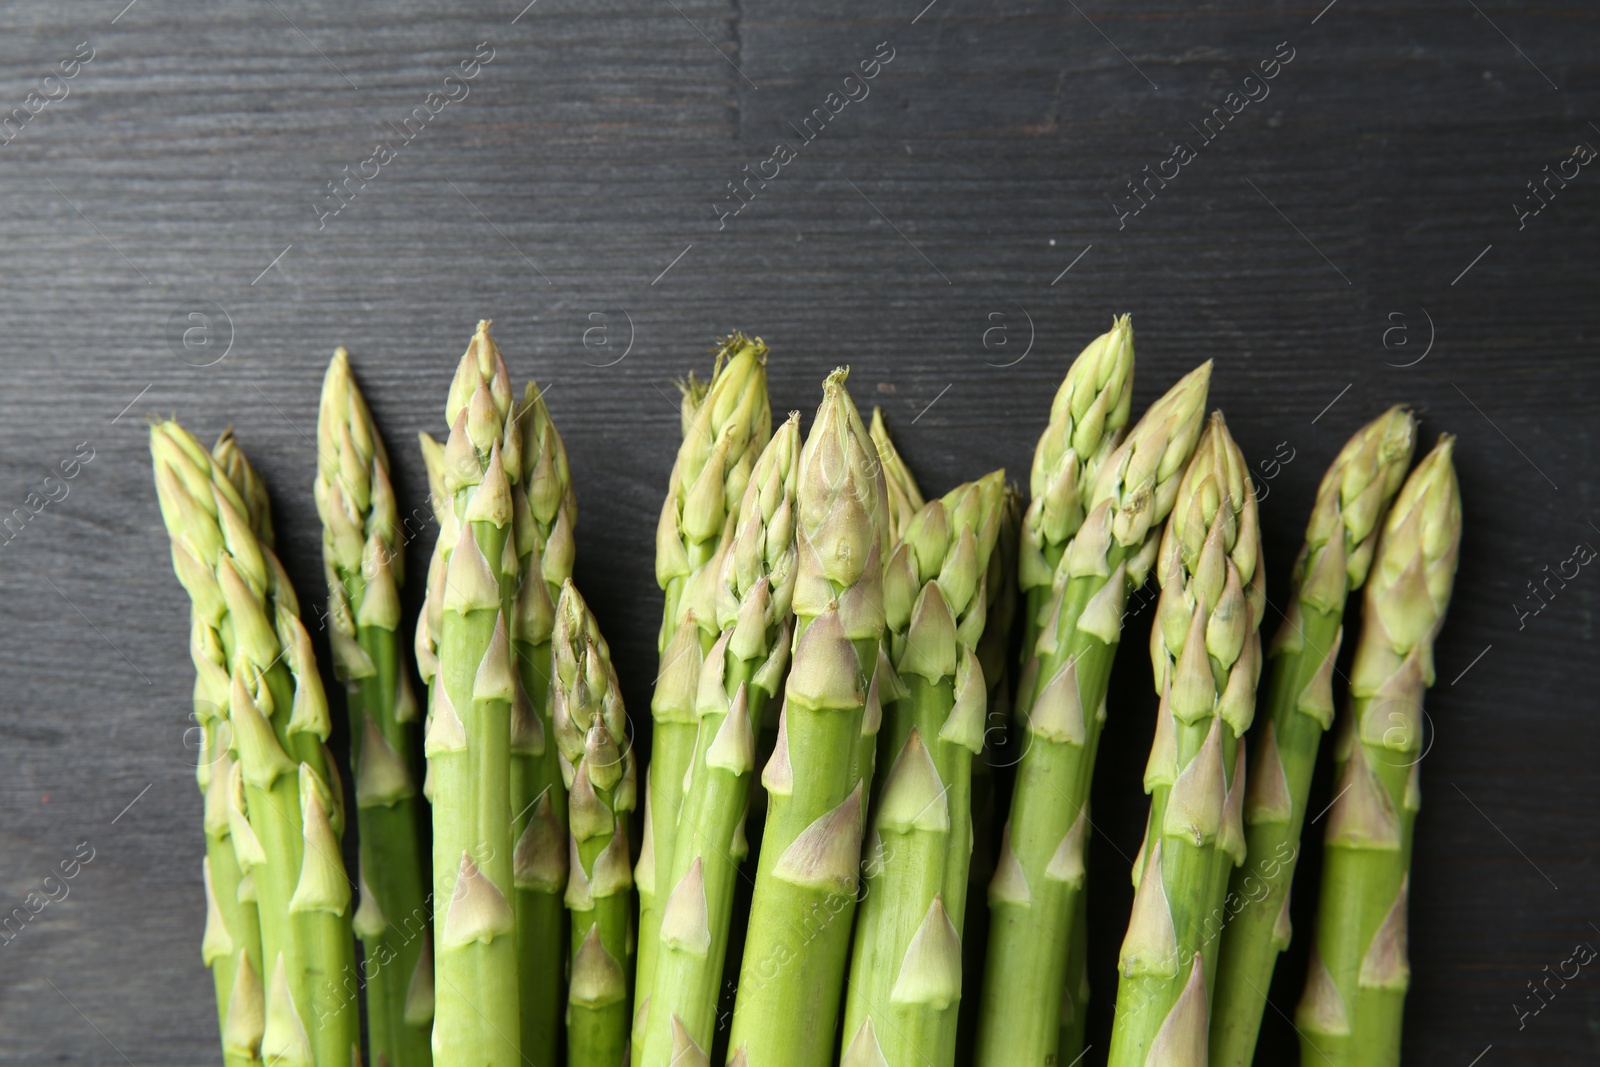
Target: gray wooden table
{"x":1355,"y":231}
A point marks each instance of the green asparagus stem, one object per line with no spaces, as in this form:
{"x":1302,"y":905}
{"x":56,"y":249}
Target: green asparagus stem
{"x":1355,"y":993}
{"x":363,"y":555}
{"x":545,"y":511}
{"x":995,"y":656}
{"x":1340,"y":538}
{"x":742,"y":673}
{"x":590,"y":729}
{"x":905,"y":498}
{"x":464,"y":652}
{"x":805,"y":892}
{"x":231,"y":946}
{"x":1075,"y":997}
{"x":1205,"y":646}
{"x":903,"y":996}
{"x":1039,"y":875}
{"x":284,"y":820}
{"x":1090,"y":411}
{"x":726,"y":423}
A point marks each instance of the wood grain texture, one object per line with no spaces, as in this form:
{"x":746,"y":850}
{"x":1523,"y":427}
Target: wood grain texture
{"x":591,"y":151}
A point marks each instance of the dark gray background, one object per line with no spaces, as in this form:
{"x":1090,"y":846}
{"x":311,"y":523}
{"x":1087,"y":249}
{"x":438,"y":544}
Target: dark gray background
{"x":915,"y":239}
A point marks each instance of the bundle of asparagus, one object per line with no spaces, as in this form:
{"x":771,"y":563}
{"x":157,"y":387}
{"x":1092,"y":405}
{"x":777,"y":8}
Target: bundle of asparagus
{"x":725,"y":424}
{"x":742,"y":672}
{"x":1340,"y":538}
{"x":1355,"y":992}
{"x":1033,"y":898}
{"x":818,"y":571}
{"x":284,"y":976}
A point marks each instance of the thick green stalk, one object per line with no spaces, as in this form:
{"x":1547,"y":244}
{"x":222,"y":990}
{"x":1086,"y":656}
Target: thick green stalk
{"x":1063,"y":684}
{"x":1075,"y":997}
{"x":545,"y":512}
{"x":255,"y":659}
{"x":1089,"y":413}
{"x":726,"y":424}
{"x":995,"y":657}
{"x":742,"y":673}
{"x":903,"y":996}
{"x":364,"y":556}
{"x":464,"y":650}
{"x":1355,"y":993}
{"x":590,"y":728}
{"x":1340,"y":538}
{"x":1205,"y":647}
{"x":806,"y":877}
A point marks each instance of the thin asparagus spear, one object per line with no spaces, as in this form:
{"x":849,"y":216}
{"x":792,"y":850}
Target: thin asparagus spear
{"x":1039,"y":875}
{"x":805,"y":892}
{"x":1090,"y":411}
{"x":742,"y":673}
{"x":1205,"y":646}
{"x":590,"y":729}
{"x":363,"y":556}
{"x":1355,"y":992}
{"x":284,"y":820}
{"x":905,"y":980}
{"x":231,"y":946}
{"x":1340,"y":538}
{"x":905,"y":498}
{"x":726,"y":423}
{"x":995,"y":657}
{"x":464,"y":651}
{"x":545,"y":511}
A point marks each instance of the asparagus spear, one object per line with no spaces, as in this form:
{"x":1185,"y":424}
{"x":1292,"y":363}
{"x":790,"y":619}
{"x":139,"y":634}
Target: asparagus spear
{"x":231,"y":946}
{"x":726,"y":423}
{"x":364,"y":557}
{"x":284,"y":820}
{"x":546,"y":512}
{"x":1206,"y":650}
{"x":905,"y":498}
{"x":1039,"y":875}
{"x":590,"y":730}
{"x":995,"y":656}
{"x":905,"y":979}
{"x":464,"y":651}
{"x":1090,"y":411}
{"x":742,"y":673}
{"x":1355,"y":992}
{"x":1340,"y":538}
{"x":806,"y":876}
